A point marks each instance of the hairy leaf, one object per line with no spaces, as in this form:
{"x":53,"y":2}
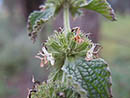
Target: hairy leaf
{"x":102,"y":7}
{"x":37,"y":19}
{"x":90,"y":78}
{"x":57,"y":3}
{"x":74,"y":7}
{"x":55,"y":89}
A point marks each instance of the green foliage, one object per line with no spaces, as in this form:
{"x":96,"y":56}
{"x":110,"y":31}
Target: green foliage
{"x":58,"y":4}
{"x":37,"y":19}
{"x":102,"y":7}
{"x":52,"y":7}
{"x":62,"y":47}
{"x":54,"y":90}
{"x":71,"y":55}
{"x":91,"y":78}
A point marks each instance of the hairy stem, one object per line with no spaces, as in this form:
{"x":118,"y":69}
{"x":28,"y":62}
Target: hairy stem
{"x":66,"y":18}
{"x":63,"y":78}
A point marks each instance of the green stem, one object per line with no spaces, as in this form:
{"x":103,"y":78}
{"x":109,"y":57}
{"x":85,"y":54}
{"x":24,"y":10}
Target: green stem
{"x":66,"y":19}
{"x":63,"y":77}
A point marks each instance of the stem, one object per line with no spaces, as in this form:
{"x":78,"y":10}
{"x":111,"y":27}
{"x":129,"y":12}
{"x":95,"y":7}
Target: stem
{"x":63,"y":77}
{"x":66,"y":18}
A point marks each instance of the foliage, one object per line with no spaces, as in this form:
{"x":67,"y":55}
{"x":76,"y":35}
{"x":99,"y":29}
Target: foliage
{"x":102,"y":7}
{"x":52,"y":7}
{"x":91,"y":78}
{"x":72,"y":57}
{"x":37,"y":18}
{"x":54,"y":90}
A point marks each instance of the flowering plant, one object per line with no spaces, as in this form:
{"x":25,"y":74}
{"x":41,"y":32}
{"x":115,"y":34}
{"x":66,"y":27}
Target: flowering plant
{"x":77,"y":70}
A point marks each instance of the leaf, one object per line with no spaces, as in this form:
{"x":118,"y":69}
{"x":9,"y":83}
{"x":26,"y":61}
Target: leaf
{"x":52,"y":89}
{"x":37,"y":19}
{"x":102,"y":7}
{"x":57,"y":3}
{"x":74,"y":7}
{"x":91,"y":79}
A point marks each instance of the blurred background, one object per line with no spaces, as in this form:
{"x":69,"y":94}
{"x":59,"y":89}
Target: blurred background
{"x":17,"y":61}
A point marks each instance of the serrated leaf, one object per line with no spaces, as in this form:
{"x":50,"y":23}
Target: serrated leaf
{"x":37,"y":19}
{"x":74,"y":7}
{"x":102,"y":7}
{"x":89,"y":77}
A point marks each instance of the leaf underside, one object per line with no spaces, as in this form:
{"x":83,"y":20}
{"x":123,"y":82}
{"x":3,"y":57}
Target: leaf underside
{"x":37,"y":19}
{"x":90,"y":77}
{"x":102,"y":7}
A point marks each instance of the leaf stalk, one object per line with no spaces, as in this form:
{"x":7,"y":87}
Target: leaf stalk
{"x":66,"y":18}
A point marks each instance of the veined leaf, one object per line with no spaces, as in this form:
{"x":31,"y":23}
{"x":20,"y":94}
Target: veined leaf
{"x":37,"y":19}
{"x":102,"y":7}
{"x":74,"y":7}
{"x":90,"y":78}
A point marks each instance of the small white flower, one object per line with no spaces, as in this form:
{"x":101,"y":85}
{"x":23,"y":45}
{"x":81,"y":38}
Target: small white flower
{"x":49,"y":56}
{"x":44,"y":56}
{"x":89,"y":55}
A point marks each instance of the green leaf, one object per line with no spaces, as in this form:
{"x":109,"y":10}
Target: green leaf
{"x":55,"y":89}
{"x":90,"y":78}
{"x":102,"y":7}
{"x":37,"y":19}
{"x":74,"y":7}
{"x":57,"y":3}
